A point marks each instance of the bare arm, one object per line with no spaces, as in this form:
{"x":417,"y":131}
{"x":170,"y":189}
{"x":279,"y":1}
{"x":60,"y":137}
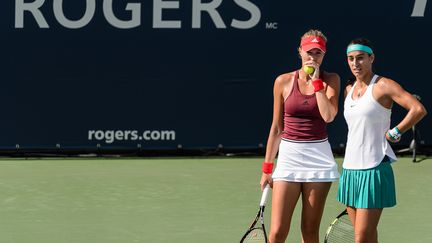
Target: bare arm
{"x":390,"y":91}
{"x":276,"y":128}
{"x":327,"y":98}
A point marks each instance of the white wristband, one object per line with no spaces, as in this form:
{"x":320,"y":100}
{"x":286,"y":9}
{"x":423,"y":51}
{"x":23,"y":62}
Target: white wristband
{"x":395,"y":134}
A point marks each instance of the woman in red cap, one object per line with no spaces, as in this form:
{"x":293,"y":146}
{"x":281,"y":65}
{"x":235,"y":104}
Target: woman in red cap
{"x":305,"y":100}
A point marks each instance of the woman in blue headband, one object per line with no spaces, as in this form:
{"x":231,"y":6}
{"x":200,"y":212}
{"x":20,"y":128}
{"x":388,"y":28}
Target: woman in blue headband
{"x":367,"y":182}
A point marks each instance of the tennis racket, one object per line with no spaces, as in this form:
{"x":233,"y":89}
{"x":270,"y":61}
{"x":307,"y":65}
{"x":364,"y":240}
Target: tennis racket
{"x":340,"y":230}
{"x":257,"y":233}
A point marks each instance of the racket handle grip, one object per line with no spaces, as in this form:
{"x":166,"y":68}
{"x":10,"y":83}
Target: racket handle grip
{"x":264,"y":195}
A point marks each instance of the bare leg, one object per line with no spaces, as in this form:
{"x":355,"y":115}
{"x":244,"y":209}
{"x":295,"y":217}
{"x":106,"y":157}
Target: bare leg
{"x":314,"y":195}
{"x":366,"y":223}
{"x":352,"y":214}
{"x":284,"y":200}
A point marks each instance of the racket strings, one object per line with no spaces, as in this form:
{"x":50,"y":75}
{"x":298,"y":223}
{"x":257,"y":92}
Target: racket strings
{"x":341,"y":231}
{"x":255,"y":236}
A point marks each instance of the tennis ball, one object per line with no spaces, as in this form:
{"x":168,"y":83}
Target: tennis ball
{"x":308,"y":69}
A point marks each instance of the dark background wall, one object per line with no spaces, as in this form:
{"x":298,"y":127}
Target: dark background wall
{"x":158,"y":87}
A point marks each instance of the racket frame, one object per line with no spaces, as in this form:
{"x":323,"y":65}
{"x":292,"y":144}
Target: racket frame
{"x":259,"y":216}
{"x":343,"y":213}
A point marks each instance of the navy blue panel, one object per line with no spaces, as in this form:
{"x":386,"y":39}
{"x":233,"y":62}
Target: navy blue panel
{"x":195,"y":86}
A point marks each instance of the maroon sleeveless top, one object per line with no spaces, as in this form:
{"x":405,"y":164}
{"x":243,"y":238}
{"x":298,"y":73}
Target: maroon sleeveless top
{"x":302,"y":120}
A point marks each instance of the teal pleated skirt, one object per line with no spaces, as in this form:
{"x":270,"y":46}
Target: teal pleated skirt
{"x":368,"y":188}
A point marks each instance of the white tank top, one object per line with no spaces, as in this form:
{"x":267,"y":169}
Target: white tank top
{"x":368,"y":121}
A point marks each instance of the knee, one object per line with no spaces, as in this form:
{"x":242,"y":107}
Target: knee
{"x":309,"y":229}
{"x":360,"y":238}
{"x":278,"y":235}
{"x":310,"y":233}
{"x":366,"y":237}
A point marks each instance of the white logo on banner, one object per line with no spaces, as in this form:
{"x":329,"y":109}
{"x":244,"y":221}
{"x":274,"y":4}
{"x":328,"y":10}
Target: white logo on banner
{"x":160,"y":8}
{"x":419,"y":8}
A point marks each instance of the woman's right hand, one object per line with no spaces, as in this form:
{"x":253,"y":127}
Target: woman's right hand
{"x":316,"y":66}
{"x":266,"y":179}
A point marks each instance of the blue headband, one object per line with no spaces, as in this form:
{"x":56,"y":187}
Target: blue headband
{"x":359,"y":47}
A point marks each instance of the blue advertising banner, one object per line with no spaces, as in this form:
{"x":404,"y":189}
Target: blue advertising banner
{"x":159,"y":74}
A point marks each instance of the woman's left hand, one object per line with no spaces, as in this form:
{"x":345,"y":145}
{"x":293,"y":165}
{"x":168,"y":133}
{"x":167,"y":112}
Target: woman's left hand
{"x":390,"y":139}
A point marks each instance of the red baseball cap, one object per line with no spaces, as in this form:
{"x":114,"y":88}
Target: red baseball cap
{"x":311,"y":42}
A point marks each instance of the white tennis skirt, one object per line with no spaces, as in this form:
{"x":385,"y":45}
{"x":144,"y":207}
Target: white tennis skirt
{"x":310,"y":161}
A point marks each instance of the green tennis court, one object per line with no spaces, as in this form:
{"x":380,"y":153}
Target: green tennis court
{"x":170,"y":200}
